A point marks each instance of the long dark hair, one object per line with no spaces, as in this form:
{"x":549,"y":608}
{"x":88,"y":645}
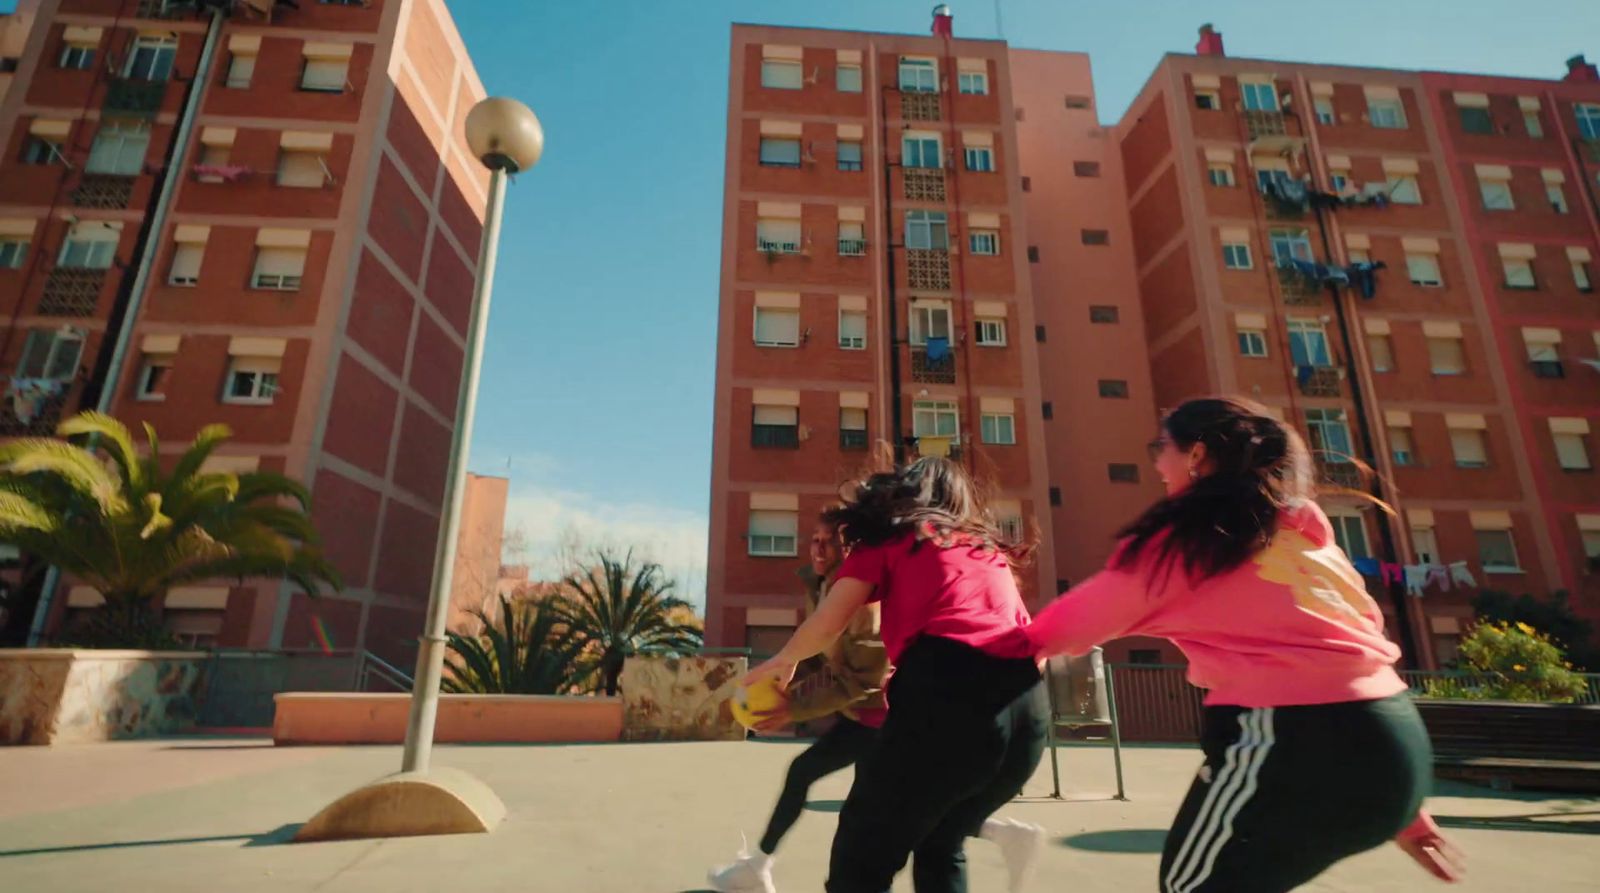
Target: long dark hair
{"x":1259,"y":468}
{"x":933,"y":498}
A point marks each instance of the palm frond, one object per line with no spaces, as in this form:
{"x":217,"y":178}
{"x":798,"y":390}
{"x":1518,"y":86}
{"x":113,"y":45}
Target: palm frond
{"x":78,"y":470}
{"x":205,"y":443}
{"x":114,"y":439}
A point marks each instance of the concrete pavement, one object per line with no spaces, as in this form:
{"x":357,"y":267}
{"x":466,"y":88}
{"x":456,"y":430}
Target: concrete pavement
{"x":206,"y":815}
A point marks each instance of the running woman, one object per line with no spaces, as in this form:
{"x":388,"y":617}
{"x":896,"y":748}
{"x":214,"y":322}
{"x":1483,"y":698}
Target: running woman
{"x":967,"y":710}
{"x":847,"y":679}
{"x":1313,"y":749}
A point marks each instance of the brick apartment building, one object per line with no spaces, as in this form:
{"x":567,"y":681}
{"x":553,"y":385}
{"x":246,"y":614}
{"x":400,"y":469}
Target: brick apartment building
{"x":306,"y":280}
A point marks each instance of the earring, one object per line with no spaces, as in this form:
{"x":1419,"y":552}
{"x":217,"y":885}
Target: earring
{"x":1193,"y":475}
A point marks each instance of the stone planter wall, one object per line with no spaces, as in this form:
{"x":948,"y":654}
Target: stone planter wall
{"x":680,"y":699}
{"x":380,"y":718}
{"x":67,"y":695}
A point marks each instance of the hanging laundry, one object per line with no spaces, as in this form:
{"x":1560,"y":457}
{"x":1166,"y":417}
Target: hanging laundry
{"x":29,"y":395}
{"x":1288,"y":196}
{"x":1366,"y":567}
{"x":1416,"y":579}
{"x":1439,"y":574}
{"x":1392,"y":573}
{"x":1326,"y":201}
{"x":1302,"y":374}
{"x":1461,"y":576}
{"x":1364,"y":277}
{"x":938,"y":350}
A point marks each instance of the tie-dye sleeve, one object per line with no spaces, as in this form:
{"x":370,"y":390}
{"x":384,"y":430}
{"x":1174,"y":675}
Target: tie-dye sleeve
{"x":1108,"y":605}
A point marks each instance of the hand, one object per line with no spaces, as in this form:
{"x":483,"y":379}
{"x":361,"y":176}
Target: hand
{"x":1436,"y":854}
{"x":776,"y":667}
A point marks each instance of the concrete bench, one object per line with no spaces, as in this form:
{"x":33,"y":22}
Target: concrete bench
{"x":1508,"y":744}
{"x":380,"y":718}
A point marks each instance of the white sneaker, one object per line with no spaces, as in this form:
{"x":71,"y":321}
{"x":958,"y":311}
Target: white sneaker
{"x":1020,"y":845}
{"x":751,"y":873}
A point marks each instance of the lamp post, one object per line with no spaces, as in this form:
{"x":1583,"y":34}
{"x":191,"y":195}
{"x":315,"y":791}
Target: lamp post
{"x":506,"y":137}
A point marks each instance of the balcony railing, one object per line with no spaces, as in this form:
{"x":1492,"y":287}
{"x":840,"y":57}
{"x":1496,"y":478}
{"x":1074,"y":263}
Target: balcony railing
{"x":928,"y":268}
{"x":930,"y":371}
{"x":770,"y":246}
{"x":72,"y":291}
{"x":852,"y":439}
{"x":135,"y":97}
{"x":852,"y":247}
{"x":1320,"y":381}
{"x":1298,"y":291}
{"x":924,"y":184}
{"x":104,"y":191}
{"x":846,"y":164}
{"x":1547,"y":369}
{"x":941,"y":447}
{"x":164,"y":9}
{"x":32,"y":408}
{"x":920,"y":106}
{"x":1344,"y":475}
{"x":781,"y":437}
{"x":1264,"y":123}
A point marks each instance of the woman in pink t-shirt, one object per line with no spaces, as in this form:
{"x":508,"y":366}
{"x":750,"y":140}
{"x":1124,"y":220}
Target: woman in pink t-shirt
{"x":1313,"y":749}
{"x":967,"y":712}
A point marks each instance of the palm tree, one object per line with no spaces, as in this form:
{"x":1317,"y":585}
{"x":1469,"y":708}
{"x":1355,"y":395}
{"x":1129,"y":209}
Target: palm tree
{"x":526,"y":650}
{"x":618,"y":609}
{"x":120,"y":523}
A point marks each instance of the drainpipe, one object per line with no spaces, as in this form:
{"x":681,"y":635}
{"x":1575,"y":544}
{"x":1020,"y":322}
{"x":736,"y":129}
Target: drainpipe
{"x":121,"y":328}
{"x":896,"y":415}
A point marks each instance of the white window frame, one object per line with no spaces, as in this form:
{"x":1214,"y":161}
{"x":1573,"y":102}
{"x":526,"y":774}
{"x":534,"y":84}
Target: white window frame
{"x":1212,"y":97}
{"x":60,"y":358}
{"x":850,"y":164}
{"x":782,"y":74}
{"x":1259,"y":96}
{"x":76,"y":56}
{"x":1588,"y":116}
{"x":1532,"y":123}
{"x":979,"y":159}
{"x":990,"y":331}
{"x":1313,"y":339}
{"x":853,"y":342}
{"x":91,"y":249}
{"x":1329,"y":432}
{"x":276,"y":281}
{"x":1496,"y":194}
{"x":926,"y":317}
{"x":769,"y":242}
{"x":151,"y":57}
{"x":1423,"y":269}
{"x":1290,"y":244}
{"x":1343,"y":526}
{"x":1511,"y":542}
{"x":1252,"y":343}
{"x":1558,"y":198}
{"x":1405,"y":189}
{"x":144,"y":388}
{"x":13,"y":252}
{"x":1387,"y":114}
{"x":923,"y":75}
{"x":1380,"y":350}
{"x":755,"y":333}
{"x":983,"y":242}
{"x":1475,"y":436}
{"x":1458,"y":345}
{"x":1518,"y":273}
{"x":1425,"y":545}
{"x":841,"y":82}
{"x":1576,"y":450}
{"x":1339,"y":178}
{"x":263,"y":386}
{"x":1326,"y":115}
{"x":914,"y":151}
{"x":301,"y":169}
{"x":776,"y":545}
{"x":1236,"y":256}
{"x":1581,"y":277}
{"x":935,"y":418}
{"x":176,"y":273}
{"x":241,"y":71}
{"x":323,"y":67}
{"x":119,"y":148}
{"x":922,"y":226}
{"x":1407,"y":457}
{"x":973,"y":83}
{"x":998,"y":428}
{"x":1226,"y":179}
{"x":855,"y":232}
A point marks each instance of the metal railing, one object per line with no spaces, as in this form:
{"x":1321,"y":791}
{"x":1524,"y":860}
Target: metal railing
{"x":927,"y":370}
{"x":1345,"y":475}
{"x":1298,"y":291}
{"x":375,"y":669}
{"x":852,"y":439}
{"x":1261,"y":123}
{"x":72,"y":291}
{"x":775,"y":436}
{"x":1322,"y":381}
{"x":924,"y":183}
{"x":852,"y":247}
{"x":136,"y":97}
{"x":104,"y":191}
{"x":769,"y":246}
{"x":1447,"y":683}
{"x":1155,"y":702}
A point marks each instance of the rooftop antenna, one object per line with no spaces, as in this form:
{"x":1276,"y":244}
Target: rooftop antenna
{"x":999,"y":22}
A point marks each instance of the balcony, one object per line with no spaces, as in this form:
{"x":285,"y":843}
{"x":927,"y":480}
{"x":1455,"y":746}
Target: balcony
{"x":125,"y":96}
{"x":771,"y":247}
{"x":852,"y":439}
{"x":1320,"y":381}
{"x":924,"y":184}
{"x":104,"y":191}
{"x":1344,"y":475}
{"x":852,"y":247}
{"x":1263,"y":123}
{"x":941,"y":447}
{"x":1591,"y":149}
{"x":72,"y":291}
{"x":32,"y":407}
{"x":775,"y":437}
{"x":928,"y":268}
{"x":926,"y":370}
{"x":164,"y":9}
{"x":920,"y":106}
{"x":1547,"y":369}
{"x":1298,"y":291}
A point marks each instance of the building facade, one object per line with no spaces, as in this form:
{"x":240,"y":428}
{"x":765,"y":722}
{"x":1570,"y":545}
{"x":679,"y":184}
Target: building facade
{"x":285,"y":197}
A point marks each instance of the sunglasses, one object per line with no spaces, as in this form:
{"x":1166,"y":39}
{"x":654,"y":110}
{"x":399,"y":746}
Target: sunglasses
{"x":1157,"y":446}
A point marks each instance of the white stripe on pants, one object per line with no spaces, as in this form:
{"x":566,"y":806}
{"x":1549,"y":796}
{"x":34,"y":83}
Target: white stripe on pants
{"x":1212,"y":826}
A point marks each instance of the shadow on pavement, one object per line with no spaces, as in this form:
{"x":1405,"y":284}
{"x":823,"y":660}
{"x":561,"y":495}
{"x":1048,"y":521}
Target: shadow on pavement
{"x":1547,"y":822}
{"x":1125,"y":840}
{"x":274,"y":837}
{"x":824,"y":805}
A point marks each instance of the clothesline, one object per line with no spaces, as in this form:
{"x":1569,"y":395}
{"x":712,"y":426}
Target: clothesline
{"x":1417,"y":578}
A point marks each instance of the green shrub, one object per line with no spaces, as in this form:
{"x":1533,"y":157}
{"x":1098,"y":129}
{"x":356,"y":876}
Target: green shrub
{"x":1509,"y":662}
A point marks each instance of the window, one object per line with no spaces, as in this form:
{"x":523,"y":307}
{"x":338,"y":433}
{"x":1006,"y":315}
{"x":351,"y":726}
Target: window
{"x":847,"y":78}
{"x":1330,"y":435}
{"x":1467,"y":444}
{"x":852,"y":330}
{"x":983,"y":241}
{"x":278,"y":269}
{"x":852,"y":429}
{"x":782,"y":74}
{"x":1425,"y":545}
{"x":1027,"y":184}
{"x":1388,"y":114}
{"x":934,"y":418}
{"x":1236,"y":255}
{"x":1424,"y":270}
{"x":1401,"y":447}
{"x":852,"y":238}
{"x":1141,"y":656}
{"x":929,"y":319}
{"x":1055,"y":499}
{"x":299,"y":169}
{"x":1446,"y":356}
{"x":780,"y":152}
{"x":1123,"y":473}
{"x":1497,"y":551}
{"x":1359,"y":255}
{"x":185,"y":269}
{"x":1104,"y":313}
{"x":1325,"y":113}
{"x":849,"y":155}
{"x":1033,"y":254}
{"x":1496,"y":194}
{"x":991,"y":332}
{"x":775,"y":426}
{"x":1220,"y":174}
{"x":1207,"y":100}
{"x":1544,"y":353}
{"x":325,"y":74}
{"x":1519,"y":272}
{"x":1530,"y":120}
{"x":1086,"y":168}
{"x":777,"y":235}
{"x":51,"y":353}
{"x":980,"y":158}
{"x":1403,"y":189}
{"x":1039,"y":334}
{"x":1096,"y":237}
{"x":151,"y":57}
{"x":1078,"y":102}
{"x":42,"y":151}
{"x":1265,"y":179}
{"x":76,"y":56}
{"x":1476,"y":120}
{"x":1580,"y":276}
{"x":927,"y":230}
{"x":773,"y":534}
{"x":1290,"y":245}
{"x":1557,"y":196}
{"x":241,"y":68}
{"x":1259,"y":96}
{"x":1340,"y":179}
{"x":1011,"y":527}
{"x":1047,"y":410}
{"x":975,"y":83}
{"x":920,"y":150}
{"x":13,"y":252}
{"x":1381,"y":349}
{"x":1252,"y":343}
{"x":999,"y":428}
{"x":918,"y":76}
{"x":119,"y":148}
{"x":1113,"y":388}
{"x":777,"y":327}
{"x":1588,"y":116}
{"x":1351,"y":535}
{"x":89,"y":247}
{"x":1308,"y":343}
{"x":153,"y":375}
{"x":1571,"y":452}
{"x":251,"y":381}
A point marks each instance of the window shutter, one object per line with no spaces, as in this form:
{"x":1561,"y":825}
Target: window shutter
{"x":325,"y":74}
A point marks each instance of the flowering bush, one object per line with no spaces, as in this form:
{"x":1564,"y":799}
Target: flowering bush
{"x":1510,"y":662}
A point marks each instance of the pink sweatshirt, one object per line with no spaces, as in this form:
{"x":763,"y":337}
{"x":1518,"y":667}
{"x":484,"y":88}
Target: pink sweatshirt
{"x":1292,"y":625}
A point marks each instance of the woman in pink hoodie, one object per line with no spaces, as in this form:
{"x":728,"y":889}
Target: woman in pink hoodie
{"x":1313,"y":749}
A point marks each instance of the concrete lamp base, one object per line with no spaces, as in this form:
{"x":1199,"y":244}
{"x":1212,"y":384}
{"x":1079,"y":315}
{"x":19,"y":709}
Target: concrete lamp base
{"x":408,"y":804}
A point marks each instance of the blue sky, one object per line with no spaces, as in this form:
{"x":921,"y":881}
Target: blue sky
{"x":598,"y":373}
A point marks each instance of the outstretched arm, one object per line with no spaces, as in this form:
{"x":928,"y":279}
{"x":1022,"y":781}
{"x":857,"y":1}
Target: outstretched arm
{"x":1109,"y":604}
{"x":818,"y":631}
